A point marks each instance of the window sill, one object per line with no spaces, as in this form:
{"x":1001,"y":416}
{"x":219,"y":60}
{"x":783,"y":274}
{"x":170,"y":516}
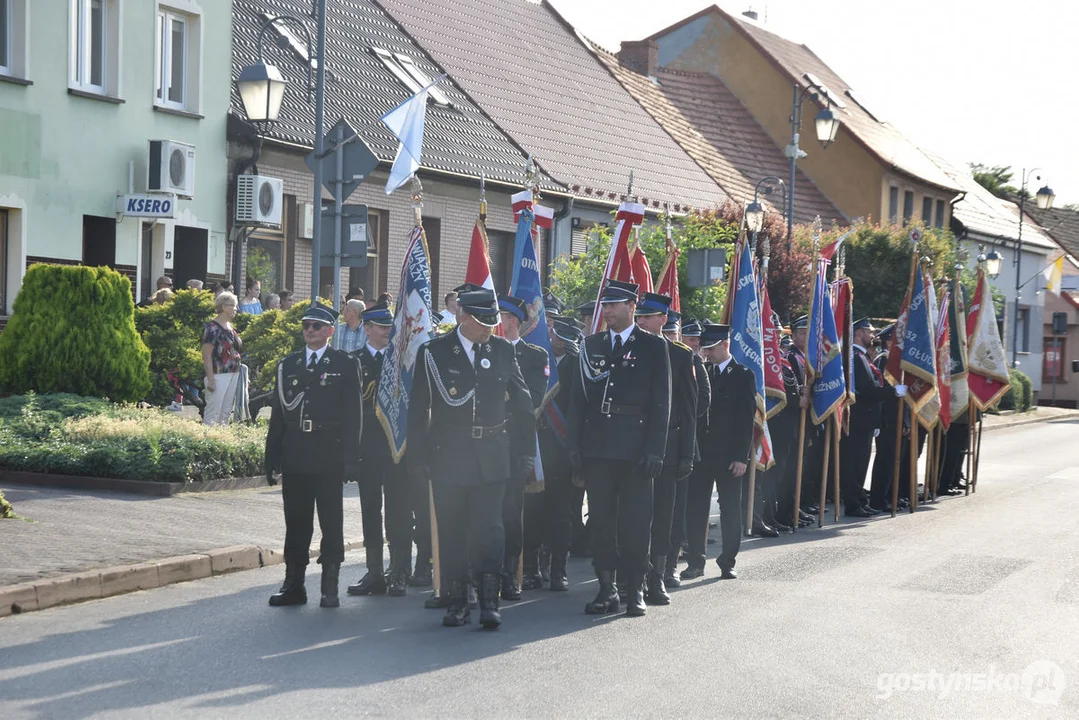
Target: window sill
{"x":15,"y":80}
{"x":95,"y":96}
{"x":177,"y":113}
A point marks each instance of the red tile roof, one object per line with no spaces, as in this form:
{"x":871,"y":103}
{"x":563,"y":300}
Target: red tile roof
{"x":530,"y":71}
{"x":880,"y":138}
{"x":715,"y":129}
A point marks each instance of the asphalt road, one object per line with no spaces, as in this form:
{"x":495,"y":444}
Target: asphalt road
{"x":969,"y":608}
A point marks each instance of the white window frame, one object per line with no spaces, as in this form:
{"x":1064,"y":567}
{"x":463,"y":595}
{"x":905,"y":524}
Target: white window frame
{"x":164,"y":56}
{"x":188,"y":12}
{"x":82,"y":62}
{"x":7,"y":62}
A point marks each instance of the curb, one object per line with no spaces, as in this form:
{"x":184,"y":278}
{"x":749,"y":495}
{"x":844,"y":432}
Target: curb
{"x":107,"y":582}
{"x":1030,"y":421}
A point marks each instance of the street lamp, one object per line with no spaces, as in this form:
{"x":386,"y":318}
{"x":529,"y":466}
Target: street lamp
{"x":827,"y":127}
{"x":755,"y":212}
{"x":1045,"y":197}
{"x":262,"y":89}
{"x":992,"y":262}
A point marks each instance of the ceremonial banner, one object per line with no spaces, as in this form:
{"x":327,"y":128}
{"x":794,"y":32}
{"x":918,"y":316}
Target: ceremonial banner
{"x":944,"y":374}
{"x":921,"y":393}
{"x":544,"y":216}
{"x":526,"y":285}
{"x":987,"y":370}
{"x":919,"y":346}
{"x":825,"y":361}
{"x":412,"y":326}
{"x":479,"y":264}
{"x":642,"y":274}
{"x":842,"y":308}
{"x":828,"y":251}
{"x":775,"y":391}
{"x":618,"y":261}
{"x":893,"y":369}
{"x":668,"y":277}
{"x":957,"y":321}
{"x":746,"y":344}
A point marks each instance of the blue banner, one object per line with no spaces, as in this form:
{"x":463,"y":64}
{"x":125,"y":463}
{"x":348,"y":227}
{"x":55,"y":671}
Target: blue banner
{"x":412,"y":327}
{"x":526,"y":285}
{"x":919,"y":339}
{"x":746,"y":343}
{"x":829,"y":386}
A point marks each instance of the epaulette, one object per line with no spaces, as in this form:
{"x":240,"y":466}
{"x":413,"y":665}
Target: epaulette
{"x":679,"y":343}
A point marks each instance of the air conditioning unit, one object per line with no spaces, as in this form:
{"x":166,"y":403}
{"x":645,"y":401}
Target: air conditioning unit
{"x":171,"y":168}
{"x":307,"y":221}
{"x":259,"y":199}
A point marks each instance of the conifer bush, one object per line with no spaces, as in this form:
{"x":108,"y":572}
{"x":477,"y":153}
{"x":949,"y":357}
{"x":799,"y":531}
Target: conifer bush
{"x":72,"y":329}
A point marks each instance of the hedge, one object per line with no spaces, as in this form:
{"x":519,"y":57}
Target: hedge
{"x":71,"y":435}
{"x":6,"y":511}
{"x":1020,"y":396}
{"x":173,"y":332}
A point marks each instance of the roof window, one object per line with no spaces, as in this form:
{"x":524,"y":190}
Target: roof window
{"x":409,"y":74}
{"x":828,"y":94}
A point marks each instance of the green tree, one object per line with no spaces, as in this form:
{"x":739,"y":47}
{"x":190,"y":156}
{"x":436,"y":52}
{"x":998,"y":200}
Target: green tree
{"x":72,"y":329}
{"x":173,"y":332}
{"x":996,"y":179}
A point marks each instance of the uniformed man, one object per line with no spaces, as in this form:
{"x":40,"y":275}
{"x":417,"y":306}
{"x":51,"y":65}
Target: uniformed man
{"x":672,"y":328}
{"x":316,"y":420}
{"x":379,"y":473}
{"x":813,"y":452}
{"x":778,"y":511}
{"x":549,"y":515}
{"x":725,"y":455}
{"x":654,"y":316}
{"x":871,"y":390}
{"x":619,"y":407}
{"x":470,"y":429}
{"x":880,"y":487}
{"x":532,"y":360}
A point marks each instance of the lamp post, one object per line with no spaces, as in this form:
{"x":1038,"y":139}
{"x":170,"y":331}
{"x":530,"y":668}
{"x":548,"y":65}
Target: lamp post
{"x":755,"y":212}
{"x":1044,"y":197}
{"x":262,"y":89}
{"x":992,"y":262}
{"x":827,"y":127}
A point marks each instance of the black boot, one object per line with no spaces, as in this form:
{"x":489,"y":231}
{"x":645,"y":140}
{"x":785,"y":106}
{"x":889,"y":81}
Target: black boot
{"x":510,"y":589}
{"x":544,"y":565}
{"x":422,"y":576}
{"x":606,"y":600}
{"x":531,"y":578}
{"x":457,"y":613}
{"x":397,"y":582}
{"x":292,"y":591}
{"x":657,"y":593}
{"x":670,"y":573}
{"x":490,"y":617}
{"x":374,"y":582}
{"x":559,"y":578}
{"x":622,"y":586}
{"x":330,"y":574}
{"x":635,"y":604}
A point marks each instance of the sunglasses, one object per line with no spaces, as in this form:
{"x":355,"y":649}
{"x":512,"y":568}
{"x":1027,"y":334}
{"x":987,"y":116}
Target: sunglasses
{"x":314,"y":325}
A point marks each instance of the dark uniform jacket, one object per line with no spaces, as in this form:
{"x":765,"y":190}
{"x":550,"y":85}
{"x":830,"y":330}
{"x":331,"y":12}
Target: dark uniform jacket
{"x":532,"y":359}
{"x":704,"y":402}
{"x":465,"y":425}
{"x":553,"y":450}
{"x":316,"y":417}
{"x":870,"y":394}
{"x":798,"y":363}
{"x":373,"y":443}
{"x":682,"y":428}
{"x":620,"y":405}
{"x":729,"y":437}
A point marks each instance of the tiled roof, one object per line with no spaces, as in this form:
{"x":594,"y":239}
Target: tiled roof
{"x":458,"y":139}
{"x":880,"y":138}
{"x":1062,"y":225}
{"x":982,"y":212}
{"x":531,"y":72}
{"x":716,"y":130}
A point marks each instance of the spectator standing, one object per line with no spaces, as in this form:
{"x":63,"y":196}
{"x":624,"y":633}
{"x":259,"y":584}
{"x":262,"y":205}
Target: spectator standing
{"x":286,"y":299}
{"x":221,"y":348}
{"x":195,"y":285}
{"x":161,"y":297}
{"x":351,"y":335}
{"x":251,"y":304}
{"x":273,"y":302}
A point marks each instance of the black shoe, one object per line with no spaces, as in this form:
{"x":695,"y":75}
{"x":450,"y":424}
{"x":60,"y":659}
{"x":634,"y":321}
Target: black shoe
{"x":657,"y":593}
{"x":781,"y":527}
{"x":397,"y":579}
{"x":531,"y":579}
{"x":510,"y":589}
{"x":762,"y":529}
{"x":670,"y":575}
{"x":373,"y":583}
{"x":292,"y":591}
{"x":622,"y":586}
{"x":859,"y":513}
{"x":559,"y":578}
{"x":490,"y":614}
{"x":635,"y":606}
{"x":457,"y":613}
{"x":544,"y":566}
{"x":903,"y":504}
{"x":813,"y":509}
{"x":330,"y":576}
{"x":606,"y":600}
{"x":804,"y":517}
{"x":422,"y":576}
{"x":692,"y":572}
{"x":726,"y":573}
{"x":871,"y":509}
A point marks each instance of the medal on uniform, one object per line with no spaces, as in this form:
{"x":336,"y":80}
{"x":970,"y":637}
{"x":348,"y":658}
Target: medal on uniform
{"x":453,"y":391}
{"x":456,"y":349}
{"x":485,"y":363}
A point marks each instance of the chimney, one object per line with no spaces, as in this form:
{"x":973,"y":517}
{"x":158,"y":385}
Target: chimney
{"x":751,"y":14}
{"x":640,"y":55}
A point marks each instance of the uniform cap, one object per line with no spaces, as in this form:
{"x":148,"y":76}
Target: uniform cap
{"x":673,"y":320}
{"x":482,"y":305}
{"x":567,"y":331}
{"x":617,"y":291}
{"x":379,"y":314}
{"x":864,"y":324}
{"x":321,"y":313}
{"x":652,"y":304}
{"x":553,"y":304}
{"x":885,"y":333}
{"x":691,"y":328}
{"x":467,"y":287}
{"x":514,"y":306}
{"x":800,"y":323}
{"x":713,"y":334}
{"x":586,"y":308}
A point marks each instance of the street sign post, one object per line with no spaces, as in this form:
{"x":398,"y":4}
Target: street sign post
{"x":353,"y":231}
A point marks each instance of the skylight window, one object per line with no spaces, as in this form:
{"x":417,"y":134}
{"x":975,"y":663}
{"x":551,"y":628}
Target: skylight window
{"x":409,"y":74}
{"x":421,"y":77}
{"x":828,"y":94}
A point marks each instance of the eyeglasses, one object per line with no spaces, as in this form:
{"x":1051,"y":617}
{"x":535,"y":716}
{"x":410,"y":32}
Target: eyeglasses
{"x":314,"y":325}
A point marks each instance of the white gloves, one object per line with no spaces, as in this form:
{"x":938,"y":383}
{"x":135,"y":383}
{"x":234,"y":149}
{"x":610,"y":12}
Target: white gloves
{"x":900,"y":390}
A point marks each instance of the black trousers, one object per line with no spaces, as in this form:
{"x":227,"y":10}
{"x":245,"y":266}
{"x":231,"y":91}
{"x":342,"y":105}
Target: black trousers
{"x":512,"y":515}
{"x":470,"y":532}
{"x":955,"y":447}
{"x":678,"y":522}
{"x":549,"y":517}
{"x":698,"y":505}
{"x":785,"y":448}
{"x":419,"y":497}
{"x":382,"y":476}
{"x":812,"y":465}
{"x":619,"y":514}
{"x":880,"y":488}
{"x":664,"y":495}
{"x":854,"y":453}
{"x":301,"y":495}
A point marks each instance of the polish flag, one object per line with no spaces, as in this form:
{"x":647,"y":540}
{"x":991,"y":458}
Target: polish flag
{"x":642,"y":274}
{"x":544,"y":216}
{"x":479,"y":265}
{"x":618,"y":265}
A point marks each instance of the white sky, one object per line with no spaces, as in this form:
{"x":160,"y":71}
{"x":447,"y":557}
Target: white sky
{"x":984,"y":81}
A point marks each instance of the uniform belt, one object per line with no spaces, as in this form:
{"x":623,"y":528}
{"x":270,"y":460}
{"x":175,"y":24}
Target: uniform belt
{"x":312,"y":426}
{"x":475,"y":431}
{"x":609,"y":408}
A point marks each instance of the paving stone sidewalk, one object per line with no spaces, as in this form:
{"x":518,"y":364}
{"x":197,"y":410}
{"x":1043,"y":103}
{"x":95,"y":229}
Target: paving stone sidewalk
{"x":77,"y":530}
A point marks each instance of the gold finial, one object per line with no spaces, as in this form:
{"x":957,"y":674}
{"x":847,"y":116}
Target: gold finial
{"x":417,"y":199}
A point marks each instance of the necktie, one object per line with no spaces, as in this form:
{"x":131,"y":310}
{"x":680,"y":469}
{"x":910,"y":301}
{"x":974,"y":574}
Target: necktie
{"x":313,"y":361}
{"x":476,"y":358}
{"x":378,"y":355}
{"x":617,"y":345}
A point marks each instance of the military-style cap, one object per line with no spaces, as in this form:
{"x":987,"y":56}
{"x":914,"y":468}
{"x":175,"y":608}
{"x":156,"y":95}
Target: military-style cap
{"x":885,"y":334}
{"x":514,"y":306}
{"x":713,"y":334}
{"x":553,"y":304}
{"x":466,"y":288}
{"x":691,"y":328}
{"x":864,"y":324}
{"x":436,"y":318}
{"x":800,"y":323}
{"x":379,"y":314}
{"x":586,"y":309}
{"x":321,"y":313}
{"x":775,"y":320}
{"x":618,"y":291}
{"x":785,"y":342}
{"x":673,"y":319}
{"x":567,"y":331}
{"x":652,"y":304}
{"x":482,"y":305}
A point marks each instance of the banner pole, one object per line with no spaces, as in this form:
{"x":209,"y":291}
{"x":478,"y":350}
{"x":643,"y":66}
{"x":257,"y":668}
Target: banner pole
{"x":977,"y":456}
{"x":798,"y":470}
{"x":436,"y":599}
{"x":970,"y":447}
{"x":751,"y":495}
{"x":824,"y":474}
{"x":836,"y":469}
{"x":912,"y":456}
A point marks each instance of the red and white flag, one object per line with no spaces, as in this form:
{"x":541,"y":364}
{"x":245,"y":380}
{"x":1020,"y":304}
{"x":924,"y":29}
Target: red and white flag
{"x":642,"y":274}
{"x":618,"y":265}
{"x":828,"y":251}
{"x":544,"y":216}
{"x":987,"y":370}
{"x":479,"y":264}
{"x":668,"y":277}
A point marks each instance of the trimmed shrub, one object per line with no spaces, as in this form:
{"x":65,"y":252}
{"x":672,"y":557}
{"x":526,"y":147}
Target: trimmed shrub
{"x":268,"y":338}
{"x":72,"y":329}
{"x":1020,"y":395}
{"x":6,"y":511}
{"x":173,"y":332}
